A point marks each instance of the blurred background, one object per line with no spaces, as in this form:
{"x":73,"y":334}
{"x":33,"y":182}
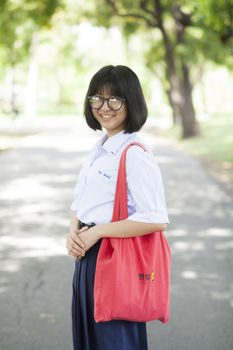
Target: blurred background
{"x":182,"y":52}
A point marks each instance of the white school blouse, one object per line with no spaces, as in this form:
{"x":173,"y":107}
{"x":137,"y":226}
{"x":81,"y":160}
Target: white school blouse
{"x":95,"y":189}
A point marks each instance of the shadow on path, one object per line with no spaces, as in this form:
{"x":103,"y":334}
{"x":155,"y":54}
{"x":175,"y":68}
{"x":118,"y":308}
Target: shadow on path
{"x":37,"y":182}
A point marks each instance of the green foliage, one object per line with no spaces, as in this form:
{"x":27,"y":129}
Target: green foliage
{"x":129,"y":28}
{"x":18,"y":21}
{"x":208,"y":26}
{"x":98,"y":13}
{"x":215,"y":20}
{"x":216,"y":14}
{"x":154,"y":54}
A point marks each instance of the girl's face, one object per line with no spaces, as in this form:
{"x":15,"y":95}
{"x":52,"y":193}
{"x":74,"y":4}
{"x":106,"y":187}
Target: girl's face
{"x":111,"y":120}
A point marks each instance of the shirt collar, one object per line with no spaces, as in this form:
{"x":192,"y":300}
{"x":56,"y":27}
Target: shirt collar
{"x":114,"y":143}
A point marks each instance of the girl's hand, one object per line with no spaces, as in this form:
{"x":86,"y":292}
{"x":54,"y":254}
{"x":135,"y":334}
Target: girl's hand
{"x":89,"y":237}
{"x":74,"y":244}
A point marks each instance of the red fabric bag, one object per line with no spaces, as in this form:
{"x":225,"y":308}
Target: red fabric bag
{"x":132,"y":277}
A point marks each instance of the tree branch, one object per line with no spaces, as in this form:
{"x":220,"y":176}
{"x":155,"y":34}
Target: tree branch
{"x":159,"y":15}
{"x":185,"y":19}
{"x":137,"y":15}
{"x":143,"y":4}
{"x":149,"y":22}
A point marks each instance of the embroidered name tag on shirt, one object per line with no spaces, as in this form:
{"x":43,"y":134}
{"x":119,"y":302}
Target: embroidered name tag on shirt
{"x":104,"y":174}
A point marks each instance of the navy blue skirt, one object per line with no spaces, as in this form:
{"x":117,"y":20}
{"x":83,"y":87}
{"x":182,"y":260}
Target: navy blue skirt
{"x":89,"y":335}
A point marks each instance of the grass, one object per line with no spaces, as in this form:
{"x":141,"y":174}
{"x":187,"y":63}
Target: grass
{"x":214,"y":146}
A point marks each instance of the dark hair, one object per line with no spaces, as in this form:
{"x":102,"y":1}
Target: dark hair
{"x":121,"y":81}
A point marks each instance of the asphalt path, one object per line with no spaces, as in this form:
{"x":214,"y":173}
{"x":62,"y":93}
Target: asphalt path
{"x":37,"y":178}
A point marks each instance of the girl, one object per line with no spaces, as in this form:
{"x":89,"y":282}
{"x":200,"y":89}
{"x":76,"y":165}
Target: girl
{"x":115,"y":102}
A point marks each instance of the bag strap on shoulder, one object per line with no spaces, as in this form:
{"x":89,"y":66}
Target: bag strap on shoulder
{"x":120,"y":210}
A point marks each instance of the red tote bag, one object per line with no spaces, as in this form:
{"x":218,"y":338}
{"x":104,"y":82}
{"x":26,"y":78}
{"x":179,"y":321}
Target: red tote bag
{"x":132,"y":277}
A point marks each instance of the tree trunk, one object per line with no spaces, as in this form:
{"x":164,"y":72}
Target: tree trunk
{"x":189,"y":122}
{"x":30,"y":107}
{"x":175,"y":110}
{"x":10,"y":97}
{"x":174,"y":92}
{"x":181,"y":94}
{"x":180,"y":88}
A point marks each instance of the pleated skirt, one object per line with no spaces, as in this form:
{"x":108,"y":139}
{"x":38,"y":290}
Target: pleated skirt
{"x":89,"y":335}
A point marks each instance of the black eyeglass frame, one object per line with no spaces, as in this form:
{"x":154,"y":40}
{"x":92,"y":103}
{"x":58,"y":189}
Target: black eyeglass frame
{"x":106,"y":99}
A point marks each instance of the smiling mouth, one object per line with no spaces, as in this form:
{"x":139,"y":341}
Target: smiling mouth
{"x":106,"y":116}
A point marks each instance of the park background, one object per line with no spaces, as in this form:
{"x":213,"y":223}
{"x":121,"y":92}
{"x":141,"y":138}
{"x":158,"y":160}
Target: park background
{"x":182,"y":52}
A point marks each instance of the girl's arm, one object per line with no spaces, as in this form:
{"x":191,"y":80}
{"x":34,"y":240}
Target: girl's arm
{"x":74,"y":221}
{"x":118,"y":229}
{"x":127,"y":228}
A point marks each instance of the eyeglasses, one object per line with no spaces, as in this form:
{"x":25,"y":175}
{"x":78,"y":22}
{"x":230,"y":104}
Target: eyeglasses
{"x":114,"y":103}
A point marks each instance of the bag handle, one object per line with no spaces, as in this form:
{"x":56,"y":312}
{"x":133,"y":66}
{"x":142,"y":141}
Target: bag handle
{"x":120,"y":210}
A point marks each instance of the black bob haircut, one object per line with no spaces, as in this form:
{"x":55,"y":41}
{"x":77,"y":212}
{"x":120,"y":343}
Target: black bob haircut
{"x":122,"y":82}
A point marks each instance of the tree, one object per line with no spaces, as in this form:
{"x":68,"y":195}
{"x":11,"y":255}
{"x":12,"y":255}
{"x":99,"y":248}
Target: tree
{"x":20,"y":21}
{"x":178,"y":23}
{"x":215,"y":21}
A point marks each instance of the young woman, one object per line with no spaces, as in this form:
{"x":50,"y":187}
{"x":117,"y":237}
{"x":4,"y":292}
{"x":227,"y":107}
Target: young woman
{"x":115,"y":102}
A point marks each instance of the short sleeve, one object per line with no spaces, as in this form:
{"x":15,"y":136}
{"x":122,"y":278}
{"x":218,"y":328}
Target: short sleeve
{"x":145,"y":187}
{"x":78,"y":189}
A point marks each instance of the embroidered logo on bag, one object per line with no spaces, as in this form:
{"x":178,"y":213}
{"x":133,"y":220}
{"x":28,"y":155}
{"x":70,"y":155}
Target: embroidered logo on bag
{"x":152,"y":276}
{"x":147,"y":276}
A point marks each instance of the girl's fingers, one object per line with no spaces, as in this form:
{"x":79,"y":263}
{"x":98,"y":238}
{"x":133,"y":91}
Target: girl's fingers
{"x":77,"y":250}
{"x":83,"y":229}
{"x":78,"y":241}
{"x":74,"y":253}
{"x":77,"y":257}
{"x":74,"y":247}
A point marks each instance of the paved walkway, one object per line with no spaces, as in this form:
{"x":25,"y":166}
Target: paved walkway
{"x":37,"y":180}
